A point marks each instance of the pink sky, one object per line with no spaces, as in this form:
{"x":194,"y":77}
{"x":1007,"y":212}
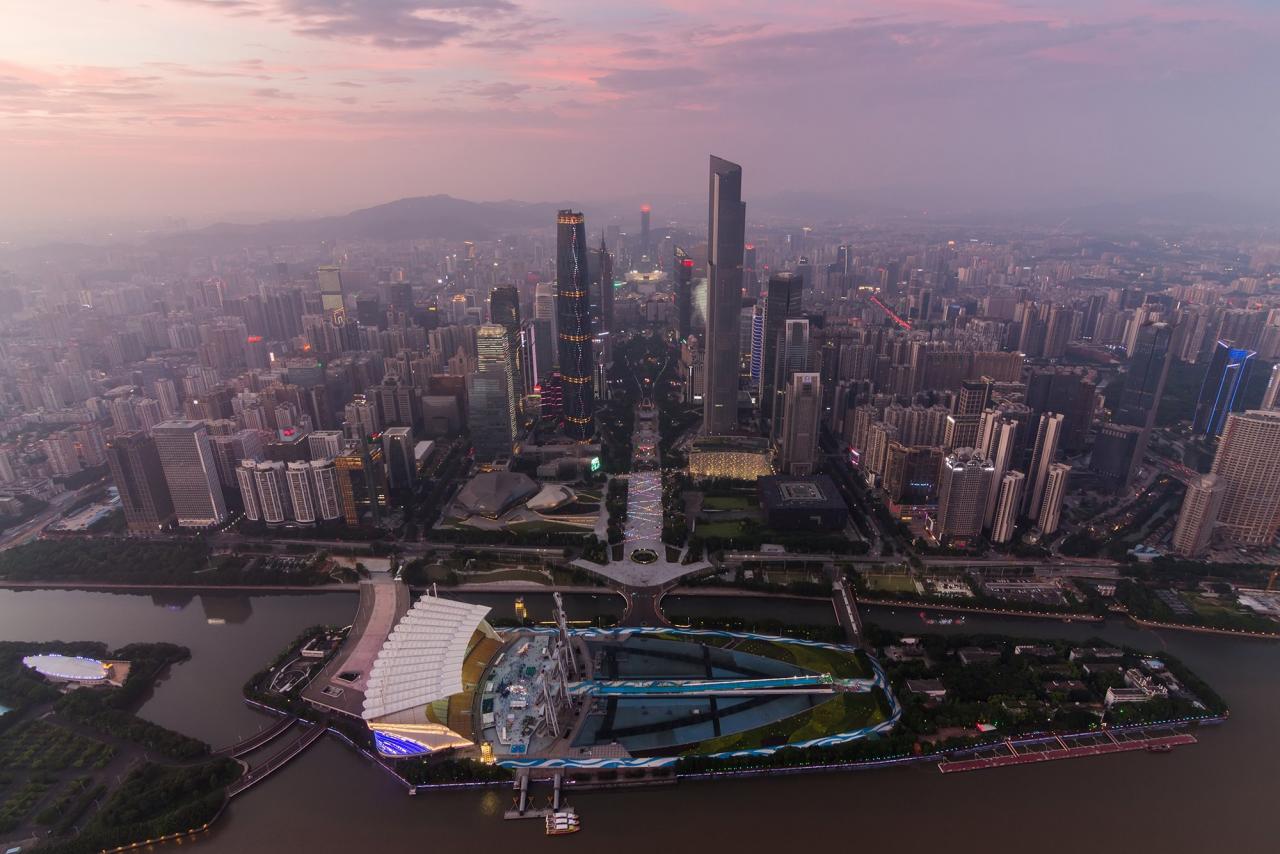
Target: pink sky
{"x":199,"y":108}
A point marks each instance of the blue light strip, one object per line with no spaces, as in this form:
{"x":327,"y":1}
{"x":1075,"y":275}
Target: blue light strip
{"x":395,"y":747}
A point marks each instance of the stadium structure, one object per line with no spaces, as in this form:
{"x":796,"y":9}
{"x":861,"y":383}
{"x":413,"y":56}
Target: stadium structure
{"x":445,"y":681}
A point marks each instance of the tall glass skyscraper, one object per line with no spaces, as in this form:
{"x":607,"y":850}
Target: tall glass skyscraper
{"x":1220,"y":392}
{"x":726,"y":236}
{"x":784,"y":300}
{"x":1144,"y":384}
{"x":573,"y":324}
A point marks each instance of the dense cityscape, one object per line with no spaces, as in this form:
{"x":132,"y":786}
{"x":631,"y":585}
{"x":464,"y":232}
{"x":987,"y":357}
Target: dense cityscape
{"x":865,"y":441}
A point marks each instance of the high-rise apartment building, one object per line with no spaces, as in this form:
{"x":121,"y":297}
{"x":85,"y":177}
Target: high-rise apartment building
{"x":726,"y":236}
{"x":1248,"y":458}
{"x":1048,"y":434}
{"x":1199,"y":514}
{"x":139,"y":478}
{"x":1055,"y":491}
{"x":1002,"y":444}
{"x":573,"y":318}
{"x":190,"y":472}
{"x":1271,"y":397}
{"x":1008,"y":506}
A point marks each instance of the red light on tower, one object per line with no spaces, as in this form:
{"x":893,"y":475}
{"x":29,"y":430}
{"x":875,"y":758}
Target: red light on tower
{"x":688,"y":262}
{"x":645,"y":209}
{"x":254,"y":339}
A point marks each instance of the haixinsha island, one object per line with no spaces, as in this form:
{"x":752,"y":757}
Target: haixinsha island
{"x":598,"y":698}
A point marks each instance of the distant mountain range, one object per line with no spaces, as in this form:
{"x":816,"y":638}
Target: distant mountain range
{"x":419,"y":217}
{"x":448,"y":218}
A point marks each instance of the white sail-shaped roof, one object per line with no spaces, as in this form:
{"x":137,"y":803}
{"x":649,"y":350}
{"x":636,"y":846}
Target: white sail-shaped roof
{"x":421,"y":662}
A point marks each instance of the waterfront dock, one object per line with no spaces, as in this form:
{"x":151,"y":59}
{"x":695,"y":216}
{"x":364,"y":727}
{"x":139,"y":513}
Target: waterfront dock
{"x":1051,"y":748}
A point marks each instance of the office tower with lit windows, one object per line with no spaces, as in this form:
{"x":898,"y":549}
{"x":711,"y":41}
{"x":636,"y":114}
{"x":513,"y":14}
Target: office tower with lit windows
{"x":1048,"y":434}
{"x":1221,"y":390}
{"x":1198,"y":515}
{"x":803,"y":418}
{"x":362,"y":484}
{"x":1008,"y":506}
{"x":545,"y":344}
{"x":573,"y":319}
{"x":397,"y":451}
{"x":603,"y":273}
{"x":139,"y":478}
{"x":491,"y":393}
{"x":190,"y":472}
{"x":793,"y":354}
{"x":504,"y":310}
{"x":683,"y":283}
{"x":963,"y":484}
{"x":1248,"y":457}
{"x":783,"y":300}
{"x":726,"y":232}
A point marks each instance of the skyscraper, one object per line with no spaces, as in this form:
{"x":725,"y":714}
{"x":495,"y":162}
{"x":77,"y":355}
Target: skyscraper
{"x":504,"y":310}
{"x":331,"y":296}
{"x":491,"y":413}
{"x":1008,"y":504}
{"x":1144,"y":385}
{"x":726,"y":235}
{"x":792,"y":355}
{"x":190,"y":472}
{"x":397,"y":450}
{"x":1248,"y":458}
{"x":139,"y":478}
{"x":1199,"y":514}
{"x":784,"y":296}
{"x":963,"y":485}
{"x":1055,"y":490}
{"x":1046,"y":449}
{"x":1004,"y":438}
{"x":1220,"y":392}
{"x":684,"y":294}
{"x":804,"y":413}
{"x":1271,"y":398}
{"x":573,"y":318}
{"x":1116,"y":453}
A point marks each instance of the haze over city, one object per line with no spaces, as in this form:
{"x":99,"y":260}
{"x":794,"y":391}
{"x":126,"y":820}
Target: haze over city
{"x":249,"y":109}
{"x":424,"y":422}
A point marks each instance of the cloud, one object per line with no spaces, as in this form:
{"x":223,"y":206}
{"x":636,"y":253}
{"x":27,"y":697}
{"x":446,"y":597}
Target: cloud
{"x":272,"y":92}
{"x":649,"y":79}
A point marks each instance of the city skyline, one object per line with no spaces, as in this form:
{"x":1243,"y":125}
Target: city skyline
{"x":238,"y":107}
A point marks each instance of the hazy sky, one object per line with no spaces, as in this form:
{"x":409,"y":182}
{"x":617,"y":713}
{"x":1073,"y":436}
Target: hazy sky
{"x":204,"y":107}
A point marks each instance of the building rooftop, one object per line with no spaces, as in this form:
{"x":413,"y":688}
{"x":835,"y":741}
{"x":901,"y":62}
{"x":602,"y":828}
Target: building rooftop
{"x":421,"y":661}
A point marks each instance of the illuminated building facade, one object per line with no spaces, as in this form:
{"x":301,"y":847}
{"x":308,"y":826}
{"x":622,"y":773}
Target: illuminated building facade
{"x":573,"y":321}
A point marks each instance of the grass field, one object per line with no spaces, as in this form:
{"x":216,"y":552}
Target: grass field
{"x":721,"y":529}
{"x":838,"y":664}
{"x":896,"y":583}
{"x":842,"y":713}
{"x":728,"y":502}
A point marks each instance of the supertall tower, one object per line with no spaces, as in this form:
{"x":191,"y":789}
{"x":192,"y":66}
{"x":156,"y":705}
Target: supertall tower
{"x":573,"y":323}
{"x":726,"y":235}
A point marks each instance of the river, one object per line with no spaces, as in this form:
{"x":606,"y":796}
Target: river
{"x":1216,"y":795}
